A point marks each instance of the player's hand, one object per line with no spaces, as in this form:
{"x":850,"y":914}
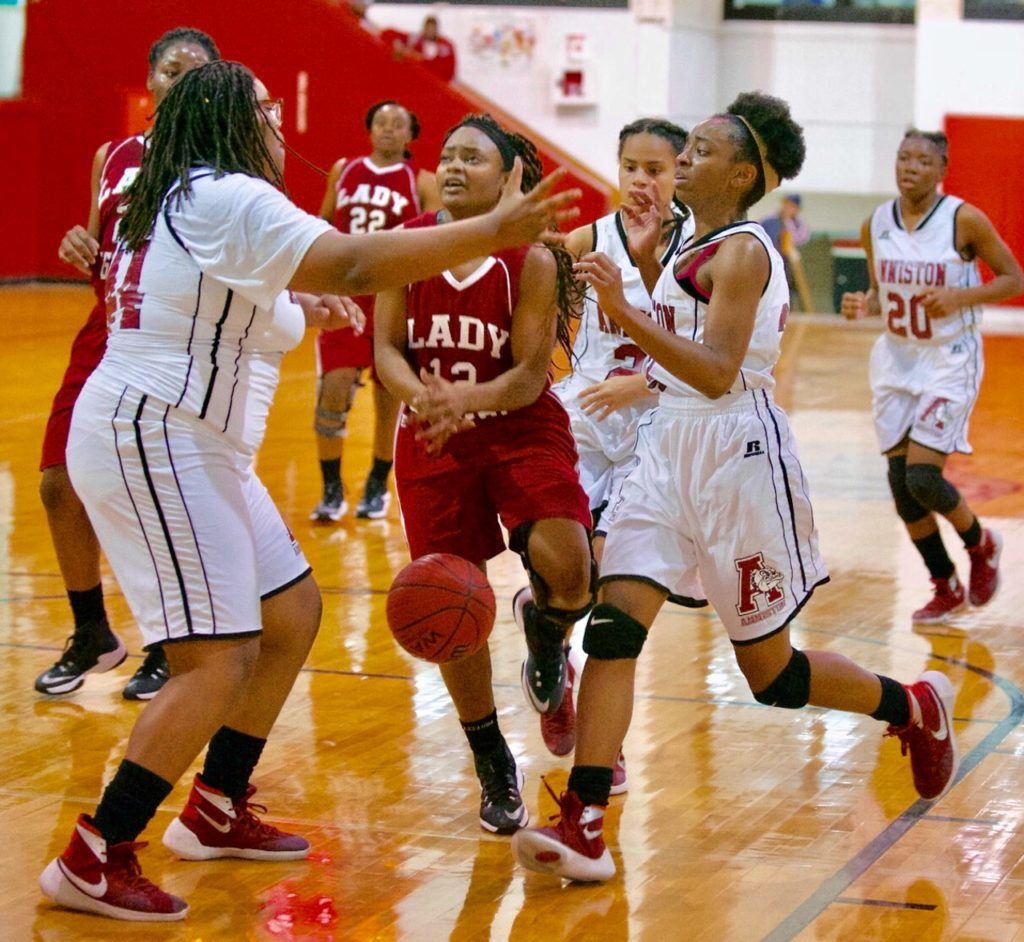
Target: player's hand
{"x":854,"y":305}
{"x":641,"y":218}
{"x":79,"y":249}
{"x":614,"y":393}
{"x":605,"y":277}
{"x":940,"y":302}
{"x":525,"y":218}
{"x":331,"y":312}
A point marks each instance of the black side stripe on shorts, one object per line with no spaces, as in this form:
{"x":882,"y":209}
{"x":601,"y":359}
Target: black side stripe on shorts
{"x":238,"y":357}
{"x":191,"y":335}
{"x":192,"y":527}
{"x":215,"y":346}
{"x":789,"y":491}
{"x":771,"y":467}
{"x":138,"y":516}
{"x":160,"y":512}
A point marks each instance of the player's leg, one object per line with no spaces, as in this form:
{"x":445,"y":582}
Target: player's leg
{"x":375,"y":499}
{"x":335,"y":393}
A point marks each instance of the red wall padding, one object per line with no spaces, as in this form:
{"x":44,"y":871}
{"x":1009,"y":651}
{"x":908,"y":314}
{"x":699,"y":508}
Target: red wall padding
{"x":83,"y":68}
{"x":986,"y":169}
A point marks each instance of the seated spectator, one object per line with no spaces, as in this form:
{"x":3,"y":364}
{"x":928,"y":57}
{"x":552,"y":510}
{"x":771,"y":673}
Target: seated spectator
{"x":433,"y":50}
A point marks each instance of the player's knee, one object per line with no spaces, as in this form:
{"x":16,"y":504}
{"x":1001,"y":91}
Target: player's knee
{"x":791,"y":689}
{"x":930,"y":489}
{"x":612,"y":634}
{"x":55,"y":490}
{"x":908,"y":509}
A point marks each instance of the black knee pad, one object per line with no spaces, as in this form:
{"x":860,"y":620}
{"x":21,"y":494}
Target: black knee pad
{"x":908,"y":509}
{"x":792,"y":688}
{"x":612,"y":634}
{"x":930,"y":489}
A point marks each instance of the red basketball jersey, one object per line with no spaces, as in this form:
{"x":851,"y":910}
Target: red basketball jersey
{"x":461,"y":330}
{"x":370,"y":198}
{"x":119,"y":169}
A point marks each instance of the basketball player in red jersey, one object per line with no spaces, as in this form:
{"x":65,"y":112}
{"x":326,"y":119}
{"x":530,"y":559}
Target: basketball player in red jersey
{"x":367,"y":194}
{"x":472,"y":347}
{"x":93,"y":647}
{"x":926,"y":368}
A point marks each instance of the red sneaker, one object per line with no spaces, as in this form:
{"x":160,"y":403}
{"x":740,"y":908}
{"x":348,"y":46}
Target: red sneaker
{"x":929,"y":737}
{"x":211,"y":825}
{"x":94,"y":878}
{"x":620,"y":784}
{"x":573,"y":848}
{"x":984,"y":579}
{"x":948,"y":599}
{"x":559,"y":727}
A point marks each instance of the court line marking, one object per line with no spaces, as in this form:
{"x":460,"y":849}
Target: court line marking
{"x":830,"y":890}
{"x":889,"y":904}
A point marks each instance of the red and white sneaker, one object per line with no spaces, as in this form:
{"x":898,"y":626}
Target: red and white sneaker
{"x":929,"y":736}
{"x":94,"y":878}
{"x":620,"y":784}
{"x":984,"y":579}
{"x":949,"y":598}
{"x":212,"y":825}
{"x":573,"y":848}
{"x":558,"y":728}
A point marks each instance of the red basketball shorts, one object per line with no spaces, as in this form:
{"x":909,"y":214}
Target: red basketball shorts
{"x":345,"y":349}
{"x":86,"y":353}
{"x":458,"y":502}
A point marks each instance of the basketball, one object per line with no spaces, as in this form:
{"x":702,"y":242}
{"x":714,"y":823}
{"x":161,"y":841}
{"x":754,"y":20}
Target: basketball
{"x":441,"y":608}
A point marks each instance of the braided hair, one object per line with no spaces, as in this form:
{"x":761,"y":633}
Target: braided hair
{"x":569,"y":292}
{"x":210,"y":117}
{"x":182,"y":34}
{"x":782,"y":136}
{"x":937,"y":139}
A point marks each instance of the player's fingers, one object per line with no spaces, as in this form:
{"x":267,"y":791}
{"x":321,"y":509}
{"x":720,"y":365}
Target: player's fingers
{"x":541,"y":190}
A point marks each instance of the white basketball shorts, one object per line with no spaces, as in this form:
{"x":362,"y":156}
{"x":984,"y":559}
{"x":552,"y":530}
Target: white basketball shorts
{"x":718,"y":507}
{"x":925,"y":391}
{"x":189,"y":529}
{"x":606,"y":447}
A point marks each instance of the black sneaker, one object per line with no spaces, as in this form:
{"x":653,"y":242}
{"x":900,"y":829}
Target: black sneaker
{"x":92,"y":649}
{"x":545,"y":673}
{"x":152,"y":674}
{"x":374,"y":505}
{"x":332,"y":506}
{"x":502,"y":809}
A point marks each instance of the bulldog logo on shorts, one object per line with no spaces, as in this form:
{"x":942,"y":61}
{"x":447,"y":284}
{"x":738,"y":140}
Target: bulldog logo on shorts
{"x":760,"y":589}
{"x":939,"y":412}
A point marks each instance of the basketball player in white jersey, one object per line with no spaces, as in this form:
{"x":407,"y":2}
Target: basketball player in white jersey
{"x":201,"y":309}
{"x":718,"y":498}
{"x":926,"y":369}
{"x":606,"y":393}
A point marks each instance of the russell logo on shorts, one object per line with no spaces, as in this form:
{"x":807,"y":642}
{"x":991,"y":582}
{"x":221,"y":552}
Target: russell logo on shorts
{"x":760,"y":592}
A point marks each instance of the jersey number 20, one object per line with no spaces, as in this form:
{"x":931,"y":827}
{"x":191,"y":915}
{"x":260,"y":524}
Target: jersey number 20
{"x":918,"y":321}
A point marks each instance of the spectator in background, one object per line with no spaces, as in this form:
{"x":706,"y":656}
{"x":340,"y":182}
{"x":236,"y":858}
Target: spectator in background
{"x":788,"y":232}
{"x":433,"y":50}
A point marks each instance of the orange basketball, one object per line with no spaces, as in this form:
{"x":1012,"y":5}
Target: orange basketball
{"x":441,"y":608}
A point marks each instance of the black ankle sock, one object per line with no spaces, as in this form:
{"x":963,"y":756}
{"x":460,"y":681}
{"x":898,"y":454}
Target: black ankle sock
{"x":129,"y":802}
{"x":933,"y":552}
{"x":380,"y":470}
{"x":330,"y":471}
{"x":230,"y":759}
{"x":87,"y":606}
{"x":972,"y":535}
{"x":484,"y":735}
{"x":593,"y":783}
{"x":895,"y":706}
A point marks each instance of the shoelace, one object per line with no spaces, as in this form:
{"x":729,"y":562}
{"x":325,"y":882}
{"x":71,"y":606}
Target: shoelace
{"x":558,"y":801}
{"x":901,"y":733}
{"x":76,"y":645}
{"x":122,"y":857}
{"x":247,"y":819}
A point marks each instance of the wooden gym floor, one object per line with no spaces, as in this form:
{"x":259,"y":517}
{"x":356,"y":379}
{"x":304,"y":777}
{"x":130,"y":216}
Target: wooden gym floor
{"x":741,"y":822}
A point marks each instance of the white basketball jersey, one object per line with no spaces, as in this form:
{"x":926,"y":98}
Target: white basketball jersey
{"x":909,"y":263}
{"x":198,"y":316}
{"x":601,"y":348}
{"x":680,"y":306}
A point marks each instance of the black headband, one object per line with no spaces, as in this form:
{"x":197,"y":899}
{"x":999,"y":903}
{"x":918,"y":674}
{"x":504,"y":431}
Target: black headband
{"x":498,"y":137}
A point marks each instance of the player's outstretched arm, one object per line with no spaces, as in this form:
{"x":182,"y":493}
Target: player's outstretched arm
{"x":366,"y":264}
{"x":977,"y":237}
